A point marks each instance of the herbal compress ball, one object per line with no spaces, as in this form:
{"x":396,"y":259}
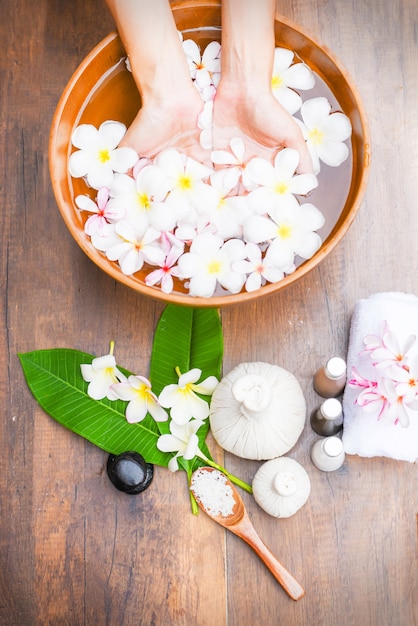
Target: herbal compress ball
{"x":281,"y":487}
{"x":257,"y":411}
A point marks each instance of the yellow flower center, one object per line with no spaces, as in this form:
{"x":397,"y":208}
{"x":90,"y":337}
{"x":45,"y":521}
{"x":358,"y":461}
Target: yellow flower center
{"x":104,"y":155}
{"x":276,"y":82}
{"x":316,"y":136}
{"x":143,"y":201}
{"x":214,"y":267}
{"x":143,"y":391}
{"x":281,"y":188}
{"x":184,"y":182}
{"x":284,"y":231}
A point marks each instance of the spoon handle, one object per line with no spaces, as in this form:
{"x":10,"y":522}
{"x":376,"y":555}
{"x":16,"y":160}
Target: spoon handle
{"x":248,"y":533}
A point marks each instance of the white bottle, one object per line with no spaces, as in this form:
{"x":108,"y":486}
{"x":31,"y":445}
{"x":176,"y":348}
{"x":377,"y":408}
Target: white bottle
{"x":329,"y":381}
{"x":328,"y":454}
{"x":327,"y":420}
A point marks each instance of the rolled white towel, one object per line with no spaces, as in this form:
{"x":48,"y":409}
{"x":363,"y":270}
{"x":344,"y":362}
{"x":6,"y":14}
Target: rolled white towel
{"x":364,"y":434}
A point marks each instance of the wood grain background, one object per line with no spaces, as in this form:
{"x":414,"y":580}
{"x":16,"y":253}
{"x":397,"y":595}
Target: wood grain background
{"x":73,"y":550}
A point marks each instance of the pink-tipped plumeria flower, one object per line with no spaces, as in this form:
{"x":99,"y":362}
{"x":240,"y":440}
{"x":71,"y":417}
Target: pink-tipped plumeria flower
{"x":133,"y":247}
{"x":325,"y":133}
{"x":234,"y":160}
{"x":259,"y":270}
{"x":103,"y":214}
{"x":101,"y":374}
{"x":372,"y":341}
{"x":182,"y":398}
{"x":357,"y":380}
{"x":406,"y":381}
{"x":168,"y":269}
{"x":385,"y":402}
{"x":391,"y":351}
{"x":141,"y":399}
{"x":278,"y":182}
{"x":209,"y":262}
{"x":288,"y":76}
{"x":98,"y":156}
{"x":183,"y":440}
{"x":204,"y":69}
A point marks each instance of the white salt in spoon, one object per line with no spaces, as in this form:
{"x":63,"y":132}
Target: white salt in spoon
{"x":239,"y":523}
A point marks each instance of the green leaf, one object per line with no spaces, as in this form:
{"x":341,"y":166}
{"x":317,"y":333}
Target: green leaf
{"x":54,"y":378}
{"x":186,"y":338}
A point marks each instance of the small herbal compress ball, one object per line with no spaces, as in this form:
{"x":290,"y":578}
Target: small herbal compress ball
{"x":281,"y":487}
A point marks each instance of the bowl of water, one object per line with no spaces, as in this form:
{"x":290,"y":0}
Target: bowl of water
{"x":102,"y":88}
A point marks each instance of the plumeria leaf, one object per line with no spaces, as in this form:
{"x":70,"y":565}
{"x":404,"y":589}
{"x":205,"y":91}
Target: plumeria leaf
{"x":54,"y":378}
{"x":186,"y":338}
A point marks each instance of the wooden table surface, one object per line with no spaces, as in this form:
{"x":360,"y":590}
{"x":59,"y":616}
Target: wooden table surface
{"x":74,"y":550}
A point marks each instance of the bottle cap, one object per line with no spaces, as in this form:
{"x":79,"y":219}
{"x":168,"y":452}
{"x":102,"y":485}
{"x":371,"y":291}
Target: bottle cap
{"x":335,"y":367}
{"x":333,"y":446}
{"x":331,"y":408}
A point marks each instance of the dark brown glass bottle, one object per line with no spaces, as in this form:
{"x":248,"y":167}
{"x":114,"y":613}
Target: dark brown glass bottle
{"x":327,"y":420}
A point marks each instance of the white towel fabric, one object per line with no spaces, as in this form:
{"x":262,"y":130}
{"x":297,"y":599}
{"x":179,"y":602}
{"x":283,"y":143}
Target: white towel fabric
{"x":363,"y":434}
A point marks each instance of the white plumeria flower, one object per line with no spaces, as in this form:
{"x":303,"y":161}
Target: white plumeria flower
{"x":229,"y":212}
{"x":101,"y":374}
{"x":182,"y":400}
{"x":134,"y":247}
{"x":97,"y":223}
{"x":291,"y":232}
{"x":210,"y":262}
{"x":185,"y":178}
{"x":141,"y":399}
{"x":258,"y":270}
{"x":183,"y":440}
{"x":278,"y":183}
{"x":204,"y":69}
{"x":287,"y":77}
{"x":235,"y":162}
{"x":143,"y":198}
{"x":98,"y":156}
{"x":325,"y":133}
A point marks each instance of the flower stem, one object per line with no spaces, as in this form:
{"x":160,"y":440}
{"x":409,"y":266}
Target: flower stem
{"x":231,"y":477}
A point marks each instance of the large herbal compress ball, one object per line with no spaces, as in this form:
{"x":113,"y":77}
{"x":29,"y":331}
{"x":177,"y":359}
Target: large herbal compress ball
{"x":257,"y":411}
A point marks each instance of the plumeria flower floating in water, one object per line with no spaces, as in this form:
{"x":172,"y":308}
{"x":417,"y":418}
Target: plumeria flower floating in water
{"x":99,"y":156}
{"x":289,"y":76}
{"x":205,"y":69}
{"x":325,"y":133}
{"x":394,"y":392}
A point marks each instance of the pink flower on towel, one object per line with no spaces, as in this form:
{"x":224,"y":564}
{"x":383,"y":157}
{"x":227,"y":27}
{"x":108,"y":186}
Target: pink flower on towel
{"x":395,"y":389}
{"x":385,"y":349}
{"x":384,"y":401}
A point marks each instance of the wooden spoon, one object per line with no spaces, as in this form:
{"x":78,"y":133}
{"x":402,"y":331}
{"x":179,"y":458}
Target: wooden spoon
{"x":239,"y":523}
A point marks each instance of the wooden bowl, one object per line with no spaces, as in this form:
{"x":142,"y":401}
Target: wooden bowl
{"x":102,"y":89}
